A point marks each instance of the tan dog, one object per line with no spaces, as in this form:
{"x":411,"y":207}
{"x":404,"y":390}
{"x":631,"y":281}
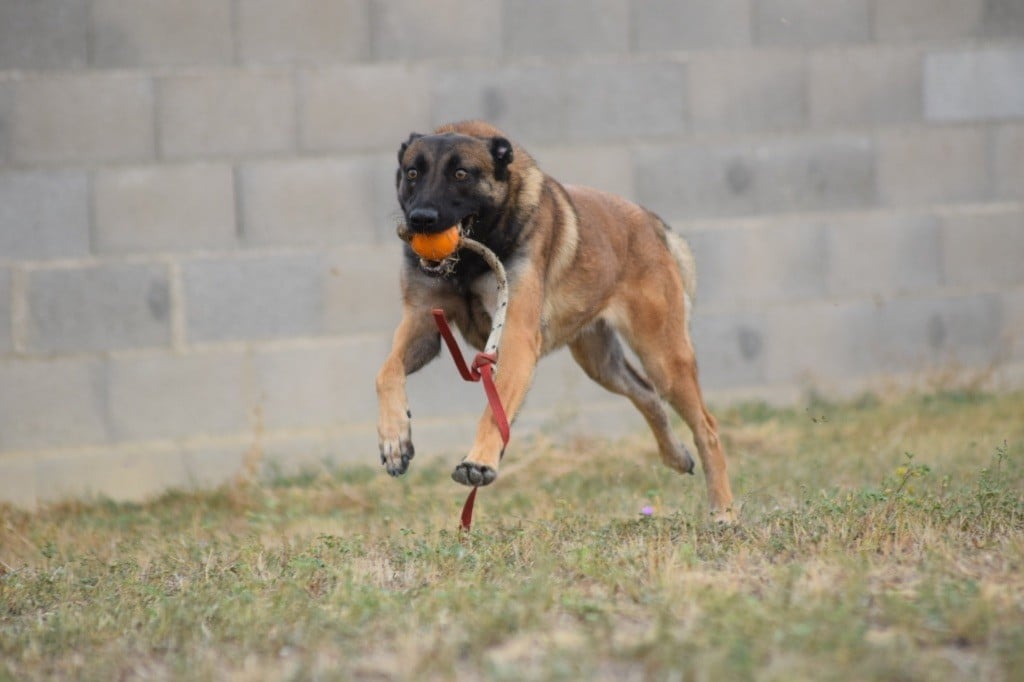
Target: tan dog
{"x":585,"y":268}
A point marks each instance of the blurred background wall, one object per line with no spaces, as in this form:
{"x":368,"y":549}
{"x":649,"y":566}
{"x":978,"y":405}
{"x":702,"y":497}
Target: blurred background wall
{"x":197,"y":250}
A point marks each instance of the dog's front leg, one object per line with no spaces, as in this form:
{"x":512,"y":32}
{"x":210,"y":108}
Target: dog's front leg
{"x":518,"y":354}
{"x":416,"y":342}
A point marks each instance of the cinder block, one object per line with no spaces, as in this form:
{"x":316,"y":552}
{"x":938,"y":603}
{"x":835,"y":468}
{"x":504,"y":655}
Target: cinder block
{"x":43,"y":34}
{"x":527,"y":102}
{"x":164,"y":208}
{"x":18,"y":481}
{"x":305,"y":387}
{"x":101,"y":307}
{"x":329,"y":385}
{"x":883,"y":254}
{"x":43,"y":214}
{"x":1004,"y":18}
{"x":812,"y":22}
{"x":983,"y":248}
{"x":915,"y":334}
{"x":6,"y":119}
{"x":814,"y":173}
{"x":387,"y":214}
{"x":783,"y":175}
{"x":156,"y":33}
{"x":53,"y":403}
{"x":608,"y":168}
{"x":362,"y":290}
{"x":213,"y":464}
{"x":409,"y":29}
{"x":134,"y":475}
{"x":363,"y":107}
{"x":742,"y":263}
{"x":1013,"y":322}
{"x":95,"y":117}
{"x":314,"y":201}
{"x":747,"y":91}
{"x":538,"y":27}
{"x":1007,"y":145}
{"x":357,"y":446}
{"x":855,"y":338}
{"x":661,"y":25}
{"x":318,"y":453}
{"x":257,"y":297}
{"x":908,"y":20}
{"x":819,"y":342}
{"x":932,"y":165}
{"x":169,"y":396}
{"x":865,"y":86}
{"x":731,"y":348}
{"x":626,"y":100}
{"x":304,"y":31}
{"x":226,"y":113}
{"x":964,"y":85}
{"x":6,"y":306}
{"x":684,"y":181}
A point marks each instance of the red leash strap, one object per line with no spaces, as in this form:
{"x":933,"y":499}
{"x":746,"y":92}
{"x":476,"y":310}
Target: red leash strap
{"x":482,"y":368}
{"x":486,"y":370}
{"x":446,"y":333}
{"x":467,"y":510}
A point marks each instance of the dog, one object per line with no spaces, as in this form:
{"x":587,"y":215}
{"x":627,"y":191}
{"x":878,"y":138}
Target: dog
{"x":586,"y":269}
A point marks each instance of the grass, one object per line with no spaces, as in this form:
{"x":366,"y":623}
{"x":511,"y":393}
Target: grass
{"x":880,"y":539}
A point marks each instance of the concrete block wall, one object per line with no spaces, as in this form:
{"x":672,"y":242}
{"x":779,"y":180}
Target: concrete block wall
{"x":197,"y":251}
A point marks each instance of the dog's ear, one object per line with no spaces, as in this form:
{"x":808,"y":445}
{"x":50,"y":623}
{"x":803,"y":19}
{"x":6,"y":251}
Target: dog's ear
{"x":501,"y":152}
{"x":405,"y":145}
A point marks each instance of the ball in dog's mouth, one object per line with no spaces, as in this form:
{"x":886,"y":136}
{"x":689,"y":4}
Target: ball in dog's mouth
{"x":436,"y":246}
{"x":438,"y":251}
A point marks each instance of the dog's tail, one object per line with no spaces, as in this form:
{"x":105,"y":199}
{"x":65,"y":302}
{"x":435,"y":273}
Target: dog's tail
{"x":680,"y":250}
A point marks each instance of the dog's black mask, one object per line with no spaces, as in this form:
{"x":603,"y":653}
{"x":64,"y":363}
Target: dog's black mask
{"x":451,"y":179}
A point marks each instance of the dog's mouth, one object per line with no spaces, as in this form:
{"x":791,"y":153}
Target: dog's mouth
{"x":446,"y":265}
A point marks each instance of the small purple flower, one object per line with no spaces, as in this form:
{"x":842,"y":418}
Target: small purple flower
{"x":647,"y":511}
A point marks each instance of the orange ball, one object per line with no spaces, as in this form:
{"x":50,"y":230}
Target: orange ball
{"x":436,"y":246}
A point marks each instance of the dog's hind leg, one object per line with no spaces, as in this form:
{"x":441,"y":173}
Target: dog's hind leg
{"x":656,"y":329}
{"x":672,"y":366}
{"x":599,"y":352}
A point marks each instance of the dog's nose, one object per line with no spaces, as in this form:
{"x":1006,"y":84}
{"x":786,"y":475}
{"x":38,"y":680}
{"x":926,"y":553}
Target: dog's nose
{"x":423,"y":219}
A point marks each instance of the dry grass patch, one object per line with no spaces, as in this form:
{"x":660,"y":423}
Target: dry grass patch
{"x":879,"y":540}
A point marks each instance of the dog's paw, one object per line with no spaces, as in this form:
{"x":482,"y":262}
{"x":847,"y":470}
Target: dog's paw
{"x":394,"y":438}
{"x":473,"y":474}
{"x":679,"y":459}
{"x":724,"y":517}
{"x":395,"y":455}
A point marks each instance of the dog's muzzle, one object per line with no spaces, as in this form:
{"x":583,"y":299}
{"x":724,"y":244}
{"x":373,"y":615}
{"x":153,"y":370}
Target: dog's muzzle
{"x":440,"y":268}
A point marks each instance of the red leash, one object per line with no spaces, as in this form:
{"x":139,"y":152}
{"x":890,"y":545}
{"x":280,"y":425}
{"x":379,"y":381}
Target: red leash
{"x":482,"y":368}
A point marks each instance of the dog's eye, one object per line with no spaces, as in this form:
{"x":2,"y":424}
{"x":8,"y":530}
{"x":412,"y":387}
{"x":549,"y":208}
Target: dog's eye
{"x":461,"y":174}
{"x":412,"y":174}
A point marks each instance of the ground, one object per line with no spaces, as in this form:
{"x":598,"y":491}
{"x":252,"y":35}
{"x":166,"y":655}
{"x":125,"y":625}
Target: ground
{"x":880,"y":539}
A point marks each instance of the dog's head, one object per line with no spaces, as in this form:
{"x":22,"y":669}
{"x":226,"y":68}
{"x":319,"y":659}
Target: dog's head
{"x":453,"y":178}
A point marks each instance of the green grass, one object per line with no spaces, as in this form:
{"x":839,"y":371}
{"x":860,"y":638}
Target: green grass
{"x":880,"y":539}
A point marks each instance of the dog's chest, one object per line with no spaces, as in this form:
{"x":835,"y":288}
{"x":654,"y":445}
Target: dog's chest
{"x":484,"y":294}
